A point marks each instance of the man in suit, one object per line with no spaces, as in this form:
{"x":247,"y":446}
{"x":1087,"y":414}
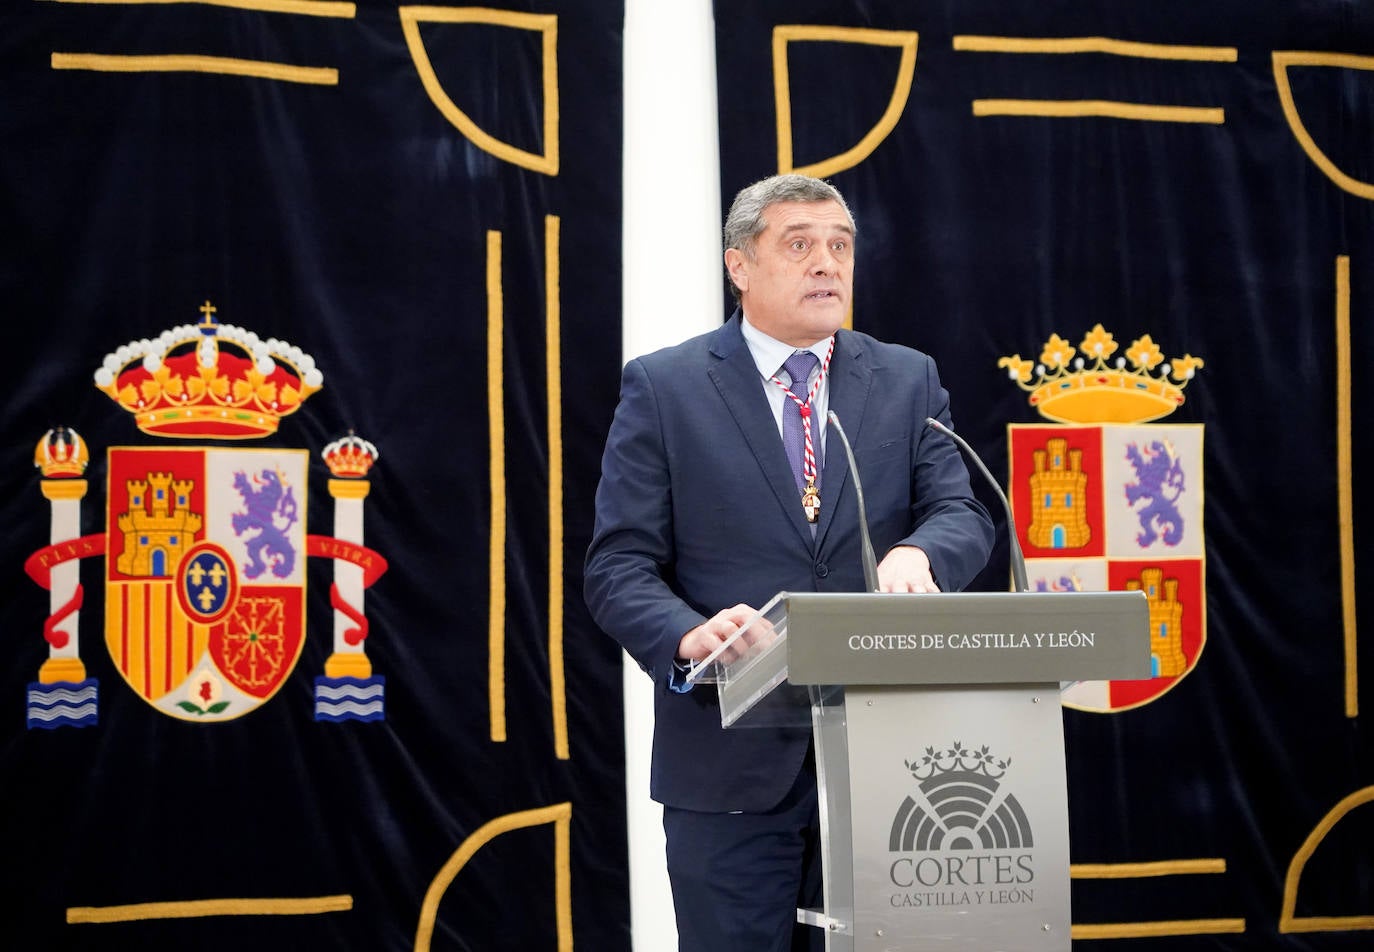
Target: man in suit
{"x":718,"y":489}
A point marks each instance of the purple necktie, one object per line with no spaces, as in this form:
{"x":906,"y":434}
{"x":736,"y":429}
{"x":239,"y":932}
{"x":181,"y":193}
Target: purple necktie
{"x":799,"y":367}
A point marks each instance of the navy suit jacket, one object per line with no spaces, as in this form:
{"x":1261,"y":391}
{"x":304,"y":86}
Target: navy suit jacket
{"x":697,"y":510}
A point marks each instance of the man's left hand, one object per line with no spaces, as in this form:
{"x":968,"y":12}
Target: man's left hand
{"x":906,"y":569}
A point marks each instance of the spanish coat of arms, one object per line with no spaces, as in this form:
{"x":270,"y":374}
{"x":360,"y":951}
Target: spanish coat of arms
{"x":206,"y":547}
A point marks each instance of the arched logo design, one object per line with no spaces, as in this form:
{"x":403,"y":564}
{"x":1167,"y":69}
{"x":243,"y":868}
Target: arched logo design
{"x":959,"y":805}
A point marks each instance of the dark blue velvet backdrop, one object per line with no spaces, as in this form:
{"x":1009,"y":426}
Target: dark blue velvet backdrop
{"x":982,"y":236}
{"x":350,"y":220}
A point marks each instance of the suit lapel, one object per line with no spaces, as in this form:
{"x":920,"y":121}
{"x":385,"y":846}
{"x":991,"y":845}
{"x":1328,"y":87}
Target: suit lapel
{"x":851,"y":380}
{"x":736,"y":378}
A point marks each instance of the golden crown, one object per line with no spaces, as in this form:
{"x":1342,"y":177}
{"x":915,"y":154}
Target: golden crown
{"x":1086,"y":389}
{"x":350,"y":457}
{"x":61,"y":453}
{"x":208,"y":380}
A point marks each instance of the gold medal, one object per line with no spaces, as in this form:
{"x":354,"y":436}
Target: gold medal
{"x":811,"y":502}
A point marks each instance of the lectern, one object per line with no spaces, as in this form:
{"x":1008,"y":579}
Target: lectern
{"x":939,"y":751}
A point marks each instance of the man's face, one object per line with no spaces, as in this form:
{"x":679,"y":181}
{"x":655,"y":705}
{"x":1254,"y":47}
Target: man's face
{"x":798,"y":284}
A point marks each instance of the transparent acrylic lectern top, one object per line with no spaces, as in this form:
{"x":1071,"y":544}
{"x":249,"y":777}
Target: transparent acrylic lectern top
{"x":749,"y":671}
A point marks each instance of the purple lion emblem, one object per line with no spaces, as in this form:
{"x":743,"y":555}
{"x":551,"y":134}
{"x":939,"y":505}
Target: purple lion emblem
{"x":1159,"y":481}
{"x":271,"y":511}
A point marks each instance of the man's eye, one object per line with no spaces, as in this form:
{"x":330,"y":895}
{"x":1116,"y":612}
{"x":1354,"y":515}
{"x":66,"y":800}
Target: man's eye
{"x":799,"y":245}
{"x":840,"y":246}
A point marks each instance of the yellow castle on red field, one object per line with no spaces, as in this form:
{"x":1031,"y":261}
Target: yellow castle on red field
{"x":156,"y":537}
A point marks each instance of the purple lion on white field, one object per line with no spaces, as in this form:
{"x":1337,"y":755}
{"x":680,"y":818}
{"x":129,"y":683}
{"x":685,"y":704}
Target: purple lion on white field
{"x":1160,"y":482}
{"x":269,"y":503}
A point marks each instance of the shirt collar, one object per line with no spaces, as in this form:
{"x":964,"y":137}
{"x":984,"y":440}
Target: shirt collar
{"x":769,"y":352}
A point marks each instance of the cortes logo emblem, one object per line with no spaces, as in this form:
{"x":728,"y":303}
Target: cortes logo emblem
{"x":960,"y":839}
{"x":959,"y":805}
{"x":205,"y":547}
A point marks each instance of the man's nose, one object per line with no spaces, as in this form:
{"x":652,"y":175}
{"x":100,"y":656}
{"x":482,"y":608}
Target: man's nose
{"x":825,"y":262}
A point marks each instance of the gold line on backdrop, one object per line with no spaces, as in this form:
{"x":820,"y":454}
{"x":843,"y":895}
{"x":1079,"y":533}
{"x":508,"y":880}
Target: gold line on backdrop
{"x":1141,"y":930}
{"x":1101,"y":108}
{"x":1136,"y":930}
{"x":496,"y":630}
{"x":310,"y":8}
{"x":496,"y":449}
{"x":1097,"y":108}
{"x":200,"y":908}
{"x":1168,"y":867}
{"x":195,"y":63}
{"x":553,"y":358}
{"x":1093,"y":44}
{"x":1345,"y":485}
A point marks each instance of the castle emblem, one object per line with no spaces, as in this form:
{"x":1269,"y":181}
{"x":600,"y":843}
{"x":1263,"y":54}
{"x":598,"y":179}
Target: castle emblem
{"x":206,"y":547}
{"x":1107,"y":499}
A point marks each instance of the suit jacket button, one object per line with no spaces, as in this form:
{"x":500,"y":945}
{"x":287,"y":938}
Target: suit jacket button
{"x":822,"y":570}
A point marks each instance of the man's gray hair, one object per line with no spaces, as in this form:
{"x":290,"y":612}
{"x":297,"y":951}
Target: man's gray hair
{"x":745,"y":222}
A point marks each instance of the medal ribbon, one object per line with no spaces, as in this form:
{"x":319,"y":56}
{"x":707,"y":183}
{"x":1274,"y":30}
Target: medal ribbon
{"x":808,"y":450}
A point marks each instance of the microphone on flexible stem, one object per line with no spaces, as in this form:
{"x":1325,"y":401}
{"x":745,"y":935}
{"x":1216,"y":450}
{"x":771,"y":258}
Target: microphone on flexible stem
{"x":1018,"y":560}
{"x":866,"y":543}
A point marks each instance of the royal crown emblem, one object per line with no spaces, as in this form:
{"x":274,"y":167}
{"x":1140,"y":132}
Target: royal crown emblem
{"x":61,"y":454}
{"x":350,"y":457}
{"x":208,"y":380}
{"x":205,"y":547}
{"x":1093,"y":388}
{"x":1106,"y":500}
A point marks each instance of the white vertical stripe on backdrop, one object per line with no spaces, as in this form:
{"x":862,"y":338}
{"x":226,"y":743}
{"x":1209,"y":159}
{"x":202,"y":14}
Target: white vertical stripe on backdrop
{"x":673,"y":286}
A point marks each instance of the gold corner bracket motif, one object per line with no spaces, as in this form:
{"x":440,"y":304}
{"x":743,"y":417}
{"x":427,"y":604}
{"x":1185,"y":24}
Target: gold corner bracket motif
{"x":1288,"y":921}
{"x":544,"y":24}
{"x":559,"y":816}
{"x":904,"y":40}
{"x":1283,"y":59}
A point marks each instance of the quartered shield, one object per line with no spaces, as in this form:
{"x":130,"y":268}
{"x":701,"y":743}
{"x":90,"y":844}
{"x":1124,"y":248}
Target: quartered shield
{"x":1113,"y":507}
{"x":205,"y":575}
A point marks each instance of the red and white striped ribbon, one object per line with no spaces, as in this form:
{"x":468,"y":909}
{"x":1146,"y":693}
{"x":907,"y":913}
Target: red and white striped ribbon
{"x":808,"y":447}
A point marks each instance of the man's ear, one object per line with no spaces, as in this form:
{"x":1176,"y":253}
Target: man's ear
{"x":737,"y":265}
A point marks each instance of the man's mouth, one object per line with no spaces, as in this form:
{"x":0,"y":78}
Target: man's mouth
{"x":821,"y":295}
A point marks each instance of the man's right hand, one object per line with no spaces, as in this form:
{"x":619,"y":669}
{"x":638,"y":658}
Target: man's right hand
{"x":707,"y":637}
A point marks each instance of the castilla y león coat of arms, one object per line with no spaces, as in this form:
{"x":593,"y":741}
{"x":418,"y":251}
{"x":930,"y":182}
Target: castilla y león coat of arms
{"x":1105,"y":498}
{"x":206,"y":547}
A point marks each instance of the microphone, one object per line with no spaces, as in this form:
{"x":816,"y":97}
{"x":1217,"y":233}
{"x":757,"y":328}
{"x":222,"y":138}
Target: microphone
{"x":1018,"y":560}
{"x":866,"y":543}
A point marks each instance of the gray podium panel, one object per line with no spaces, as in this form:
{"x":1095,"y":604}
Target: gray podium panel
{"x":811,"y":638}
{"x":939,"y":751}
{"x":967,"y":638}
{"x":946,"y":821}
